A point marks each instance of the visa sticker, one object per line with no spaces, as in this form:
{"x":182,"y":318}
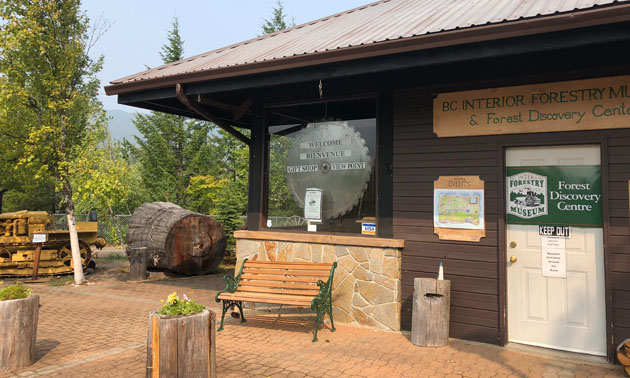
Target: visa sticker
{"x":368,"y":228}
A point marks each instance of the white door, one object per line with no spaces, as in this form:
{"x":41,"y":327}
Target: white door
{"x":560,"y":313}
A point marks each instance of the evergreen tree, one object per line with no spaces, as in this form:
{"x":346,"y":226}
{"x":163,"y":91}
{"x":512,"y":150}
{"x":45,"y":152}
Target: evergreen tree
{"x":170,"y":145}
{"x":277,"y":21}
{"x":174,"y":49}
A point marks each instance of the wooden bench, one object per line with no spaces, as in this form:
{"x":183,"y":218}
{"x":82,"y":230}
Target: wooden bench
{"x":286,"y":283}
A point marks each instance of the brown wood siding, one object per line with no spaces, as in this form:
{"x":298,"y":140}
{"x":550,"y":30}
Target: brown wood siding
{"x":473,"y":268}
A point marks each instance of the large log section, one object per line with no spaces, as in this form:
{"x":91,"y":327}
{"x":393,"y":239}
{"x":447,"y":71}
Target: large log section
{"x":177,"y":239}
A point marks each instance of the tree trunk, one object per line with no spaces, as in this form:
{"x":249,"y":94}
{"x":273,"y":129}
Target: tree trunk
{"x":79,"y":278}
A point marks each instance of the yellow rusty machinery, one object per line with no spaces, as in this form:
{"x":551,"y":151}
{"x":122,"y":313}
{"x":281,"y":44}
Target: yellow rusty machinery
{"x":17,"y":250}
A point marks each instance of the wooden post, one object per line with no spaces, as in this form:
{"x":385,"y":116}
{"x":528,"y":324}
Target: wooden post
{"x":18,"y":331}
{"x":181,"y":346}
{"x":431,"y":312}
{"x":38,"y":253}
{"x":138,"y":264}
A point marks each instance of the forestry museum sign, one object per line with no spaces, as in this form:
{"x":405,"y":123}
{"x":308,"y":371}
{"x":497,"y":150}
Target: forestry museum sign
{"x":592,"y":104}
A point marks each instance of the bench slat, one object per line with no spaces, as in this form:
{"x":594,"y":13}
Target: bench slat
{"x":287,"y":263}
{"x":254,"y":289}
{"x":268,"y":298}
{"x":267,"y":265}
{"x":311,"y":273}
{"x":280,"y":284}
{"x":275,"y":277}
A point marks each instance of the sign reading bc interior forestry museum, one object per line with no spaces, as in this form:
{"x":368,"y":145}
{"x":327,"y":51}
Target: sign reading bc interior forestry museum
{"x":555,"y":195}
{"x":591,"y":104}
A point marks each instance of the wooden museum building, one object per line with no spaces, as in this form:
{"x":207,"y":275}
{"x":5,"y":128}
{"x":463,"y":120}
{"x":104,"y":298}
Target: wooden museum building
{"x":491,"y":136}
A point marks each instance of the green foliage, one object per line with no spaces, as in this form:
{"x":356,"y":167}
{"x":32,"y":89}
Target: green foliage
{"x":177,"y":307}
{"x":172,"y":149}
{"x":107,"y":182}
{"x":228,"y":212}
{"x":115,"y":257}
{"x":61,"y":281}
{"x":174,"y":49}
{"x":281,"y":202}
{"x":16,"y":291}
{"x":48,"y":106}
{"x":203,"y":192}
{"x":277,"y":21}
{"x":169,"y":153}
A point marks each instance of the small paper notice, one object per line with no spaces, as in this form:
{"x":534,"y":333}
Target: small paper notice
{"x":554,"y":257}
{"x":39,"y":238}
{"x":313,"y":204}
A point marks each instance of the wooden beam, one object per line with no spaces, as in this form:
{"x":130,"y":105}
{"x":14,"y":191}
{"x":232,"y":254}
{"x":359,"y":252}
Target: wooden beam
{"x":242,"y":109}
{"x":238,"y":111}
{"x":291,"y":130}
{"x":384,"y":165}
{"x":195,"y":107}
{"x":285,"y":115}
{"x":216,"y":104}
{"x":257,"y":163}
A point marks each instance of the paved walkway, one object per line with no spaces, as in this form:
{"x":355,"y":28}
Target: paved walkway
{"x":99,"y":330}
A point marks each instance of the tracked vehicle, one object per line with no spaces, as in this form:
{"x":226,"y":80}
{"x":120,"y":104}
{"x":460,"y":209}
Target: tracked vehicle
{"x":17,"y":250}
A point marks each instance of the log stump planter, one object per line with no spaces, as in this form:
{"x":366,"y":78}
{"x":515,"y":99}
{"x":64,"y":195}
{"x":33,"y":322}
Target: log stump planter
{"x":182,"y":346}
{"x":431,"y":312}
{"x":18,"y":331}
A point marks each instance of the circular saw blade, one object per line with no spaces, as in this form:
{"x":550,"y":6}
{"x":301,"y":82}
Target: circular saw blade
{"x":333,"y":157}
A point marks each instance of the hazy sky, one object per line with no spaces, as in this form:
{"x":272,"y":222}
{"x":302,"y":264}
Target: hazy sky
{"x":139,"y":28}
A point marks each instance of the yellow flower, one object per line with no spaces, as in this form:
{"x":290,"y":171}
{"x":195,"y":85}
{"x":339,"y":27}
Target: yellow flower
{"x":172,"y":297}
{"x":161,"y":300}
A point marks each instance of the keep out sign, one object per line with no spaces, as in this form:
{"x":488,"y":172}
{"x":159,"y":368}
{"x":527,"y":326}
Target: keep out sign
{"x":555,"y":195}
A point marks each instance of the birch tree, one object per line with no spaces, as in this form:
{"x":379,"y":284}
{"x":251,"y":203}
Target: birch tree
{"x":48,"y":92}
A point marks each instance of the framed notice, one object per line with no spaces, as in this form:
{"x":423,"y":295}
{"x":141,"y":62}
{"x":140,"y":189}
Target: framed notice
{"x":458,"y":208}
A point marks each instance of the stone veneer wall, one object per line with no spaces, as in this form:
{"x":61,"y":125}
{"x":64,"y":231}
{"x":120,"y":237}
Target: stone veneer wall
{"x":366,"y":284}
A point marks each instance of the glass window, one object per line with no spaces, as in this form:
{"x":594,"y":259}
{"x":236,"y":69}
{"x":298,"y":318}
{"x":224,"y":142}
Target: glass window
{"x":322,"y":166}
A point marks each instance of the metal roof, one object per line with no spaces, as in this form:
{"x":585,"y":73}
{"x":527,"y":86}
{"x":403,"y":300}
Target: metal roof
{"x":368,"y":25}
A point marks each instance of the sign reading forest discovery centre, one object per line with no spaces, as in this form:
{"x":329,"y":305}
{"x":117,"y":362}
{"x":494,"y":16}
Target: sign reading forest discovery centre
{"x":591,"y":104}
{"x":555,"y":195}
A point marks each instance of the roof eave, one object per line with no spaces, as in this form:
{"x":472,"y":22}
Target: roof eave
{"x":559,"y":22}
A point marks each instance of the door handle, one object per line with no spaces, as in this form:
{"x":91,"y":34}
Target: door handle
{"x":512,"y":245}
{"x":513,"y":259}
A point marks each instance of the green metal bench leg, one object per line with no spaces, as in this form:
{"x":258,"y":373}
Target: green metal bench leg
{"x":332,"y":323}
{"x":226,"y":305}
{"x":317,"y":321}
{"x":240,"y":309}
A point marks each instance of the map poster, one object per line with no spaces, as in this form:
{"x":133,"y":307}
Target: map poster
{"x":458,"y":208}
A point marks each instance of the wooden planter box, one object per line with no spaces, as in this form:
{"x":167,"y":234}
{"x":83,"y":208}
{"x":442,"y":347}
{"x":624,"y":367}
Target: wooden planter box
{"x":18,"y":331}
{"x":182,"y":346}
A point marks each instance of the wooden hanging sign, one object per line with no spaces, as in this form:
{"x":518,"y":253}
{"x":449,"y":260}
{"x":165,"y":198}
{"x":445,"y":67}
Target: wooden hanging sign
{"x":459,"y":208}
{"x":591,"y":104}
